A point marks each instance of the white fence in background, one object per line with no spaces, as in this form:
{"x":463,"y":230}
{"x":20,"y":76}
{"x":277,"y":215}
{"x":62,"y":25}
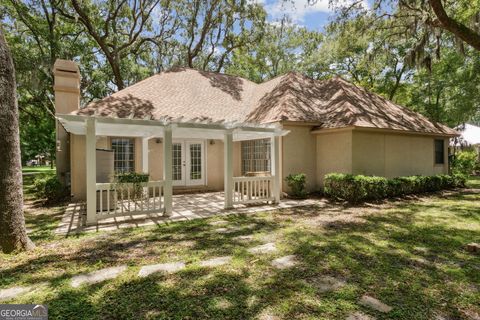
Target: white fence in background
{"x":252,"y":189}
{"x":124,"y":199}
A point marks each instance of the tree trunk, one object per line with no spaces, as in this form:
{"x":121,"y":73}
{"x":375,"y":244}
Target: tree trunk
{"x":13,"y":235}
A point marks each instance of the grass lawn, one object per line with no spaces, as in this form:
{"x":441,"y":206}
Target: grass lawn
{"x":39,"y":169}
{"x":29,"y":175}
{"x":408,"y":254}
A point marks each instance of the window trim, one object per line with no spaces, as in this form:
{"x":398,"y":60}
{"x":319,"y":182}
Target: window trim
{"x":435,"y":162}
{"x":134,"y":147}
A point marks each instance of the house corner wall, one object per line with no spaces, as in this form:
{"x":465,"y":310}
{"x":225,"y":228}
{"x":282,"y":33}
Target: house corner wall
{"x":334,"y":154}
{"x":298,"y":155}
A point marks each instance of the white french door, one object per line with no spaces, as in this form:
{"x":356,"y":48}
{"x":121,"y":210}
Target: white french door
{"x":188,"y":162}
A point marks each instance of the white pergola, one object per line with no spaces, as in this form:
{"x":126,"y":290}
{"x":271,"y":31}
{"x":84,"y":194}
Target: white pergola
{"x":168,"y":129}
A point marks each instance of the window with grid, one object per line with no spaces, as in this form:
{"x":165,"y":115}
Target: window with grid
{"x":439,"y":152}
{"x":124,"y":154}
{"x":255,"y":156}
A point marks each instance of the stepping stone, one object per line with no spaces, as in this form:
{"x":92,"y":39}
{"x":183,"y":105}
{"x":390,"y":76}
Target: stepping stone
{"x":359,"y":316}
{"x":285,"y":262}
{"x":163,"y":267}
{"x":420,"y":262}
{"x":227,"y":230}
{"x":223,"y":304}
{"x":216,"y":261}
{"x":375,"y":304}
{"x":97,"y":276}
{"x":267,"y":315}
{"x":420,"y":249}
{"x":248,"y":237}
{"x":264,"y":248}
{"x":13,"y":292}
{"x":327,"y":284}
{"x":218,"y":223}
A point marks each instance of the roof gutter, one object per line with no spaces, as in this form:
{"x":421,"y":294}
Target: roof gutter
{"x":383,"y":130}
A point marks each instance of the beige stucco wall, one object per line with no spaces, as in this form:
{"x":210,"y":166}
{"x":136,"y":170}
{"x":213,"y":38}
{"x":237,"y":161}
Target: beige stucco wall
{"x":334,"y":154}
{"x":393,"y":155}
{"x":298,"y":154}
{"x":377,"y":153}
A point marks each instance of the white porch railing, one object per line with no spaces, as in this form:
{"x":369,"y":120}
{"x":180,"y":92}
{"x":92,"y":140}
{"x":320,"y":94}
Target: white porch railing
{"x":123,"y":199}
{"x":252,"y":189}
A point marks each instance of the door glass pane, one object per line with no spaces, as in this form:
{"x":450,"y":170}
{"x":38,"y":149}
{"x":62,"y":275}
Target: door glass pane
{"x":177,"y":161}
{"x":195,"y":161}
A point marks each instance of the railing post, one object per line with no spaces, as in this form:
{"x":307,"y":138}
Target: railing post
{"x":228,"y":167}
{"x":275,"y":167}
{"x":91,"y":163}
{"x":167,"y":170}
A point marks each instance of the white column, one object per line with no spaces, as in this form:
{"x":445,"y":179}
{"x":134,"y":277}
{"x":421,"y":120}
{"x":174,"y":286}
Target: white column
{"x":145,"y":155}
{"x":91,"y":163}
{"x":228,"y":167}
{"x":167,"y":170}
{"x":275,"y":167}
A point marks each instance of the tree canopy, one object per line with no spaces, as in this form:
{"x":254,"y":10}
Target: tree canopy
{"x":424,"y":56}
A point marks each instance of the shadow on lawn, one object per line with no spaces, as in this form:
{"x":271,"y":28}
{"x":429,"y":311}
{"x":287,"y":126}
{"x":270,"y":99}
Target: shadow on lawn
{"x":404,"y":257}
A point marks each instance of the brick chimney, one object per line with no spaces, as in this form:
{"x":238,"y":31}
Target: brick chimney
{"x":67,"y":99}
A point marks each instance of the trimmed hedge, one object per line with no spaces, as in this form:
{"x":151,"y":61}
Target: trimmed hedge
{"x":357,"y":188}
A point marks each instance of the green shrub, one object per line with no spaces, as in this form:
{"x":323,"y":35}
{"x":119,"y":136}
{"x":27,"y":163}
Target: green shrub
{"x":464,"y":162}
{"x":131,"y":183}
{"x":296,"y":183}
{"x":131,"y":177}
{"x":50,"y":189}
{"x":357,"y":188}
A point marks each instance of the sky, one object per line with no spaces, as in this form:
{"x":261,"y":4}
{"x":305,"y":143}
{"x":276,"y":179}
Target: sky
{"x":313,"y":16}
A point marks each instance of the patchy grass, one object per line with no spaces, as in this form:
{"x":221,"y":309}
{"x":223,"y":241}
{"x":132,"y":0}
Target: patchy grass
{"x":39,"y":169}
{"x":474,"y":182}
{"x":41,"y":220}
{"x":409,"y":254}
{"x":29,"y":176}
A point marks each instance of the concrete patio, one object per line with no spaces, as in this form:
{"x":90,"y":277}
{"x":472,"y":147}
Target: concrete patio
{"x":185,"y":207}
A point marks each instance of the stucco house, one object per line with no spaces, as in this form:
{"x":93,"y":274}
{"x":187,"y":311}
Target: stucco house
{"x":224,"y":127}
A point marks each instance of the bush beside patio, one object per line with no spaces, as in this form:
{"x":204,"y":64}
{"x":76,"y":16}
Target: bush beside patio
{"x":358,"y":188}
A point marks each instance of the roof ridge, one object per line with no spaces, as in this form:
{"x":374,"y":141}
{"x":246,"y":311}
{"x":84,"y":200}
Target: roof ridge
{"x":207,"y":71}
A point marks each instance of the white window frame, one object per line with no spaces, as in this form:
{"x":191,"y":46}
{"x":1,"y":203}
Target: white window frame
{"x":256,"y":156}
{"x":116,"y":153}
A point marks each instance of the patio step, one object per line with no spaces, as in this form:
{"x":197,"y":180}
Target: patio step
{"x":189,"y":190}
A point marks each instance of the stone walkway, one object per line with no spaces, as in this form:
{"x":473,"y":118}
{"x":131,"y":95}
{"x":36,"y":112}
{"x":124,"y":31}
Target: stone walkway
{"x":285,"y":262}
{"x":322,"y":284}
{"x":164,"y":267}
{"x":97,"y":276}
{"x":375,"y":304}
{"x":185,"y":207}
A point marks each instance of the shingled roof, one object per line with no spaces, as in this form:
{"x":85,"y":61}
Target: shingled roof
{"x":192,"y":94}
